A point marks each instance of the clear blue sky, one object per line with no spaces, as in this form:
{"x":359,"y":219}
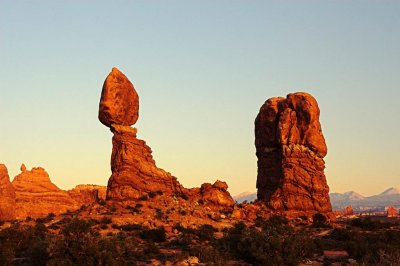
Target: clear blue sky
{"x":202,"y":70}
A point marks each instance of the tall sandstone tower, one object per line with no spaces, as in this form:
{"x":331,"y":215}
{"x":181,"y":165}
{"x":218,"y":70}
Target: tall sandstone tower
{"x":290,"y":150}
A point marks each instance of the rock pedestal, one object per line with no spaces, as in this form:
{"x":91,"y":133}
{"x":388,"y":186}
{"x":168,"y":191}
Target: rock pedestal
{"x":290,"y":150}
{"x":134,"y":172}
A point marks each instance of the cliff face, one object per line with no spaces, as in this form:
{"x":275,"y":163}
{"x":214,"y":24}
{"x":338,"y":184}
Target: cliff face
{"x":290,"y":150}
{"x":7,"y":195}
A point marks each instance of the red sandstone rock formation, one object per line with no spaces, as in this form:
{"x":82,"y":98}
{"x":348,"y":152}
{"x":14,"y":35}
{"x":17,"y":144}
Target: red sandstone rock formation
{"x":348,"y":211}
{"x":36,"y":195}
{"x":391,"y":211}
{"x":88,"y":194}
{"x":119,"y":103}
{"x":7,"y":195}
{"x":216,"y":194}
{"x":134,"y":172}
{"x":290,"y":150}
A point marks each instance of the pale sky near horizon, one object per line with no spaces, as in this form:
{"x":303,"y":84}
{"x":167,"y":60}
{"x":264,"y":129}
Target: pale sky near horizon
{"x":202,"y":70}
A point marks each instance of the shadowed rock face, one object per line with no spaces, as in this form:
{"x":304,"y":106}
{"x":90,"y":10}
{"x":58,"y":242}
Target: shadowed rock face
{"x":7,"y":195}
{"x":119,"y":103}
{"x":290,"y":150}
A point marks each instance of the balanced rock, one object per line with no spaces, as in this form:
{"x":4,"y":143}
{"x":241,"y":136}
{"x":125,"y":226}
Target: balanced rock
{"x":36,"y":195}
{"x":290,"y":150}
{"x":7,"y":195}
{"x":134,"y":172}
{"x":119,"y":103}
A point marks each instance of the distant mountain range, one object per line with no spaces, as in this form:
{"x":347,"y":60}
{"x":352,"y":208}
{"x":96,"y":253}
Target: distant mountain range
{"x":245,"y":196}
{"x":390,"y":196}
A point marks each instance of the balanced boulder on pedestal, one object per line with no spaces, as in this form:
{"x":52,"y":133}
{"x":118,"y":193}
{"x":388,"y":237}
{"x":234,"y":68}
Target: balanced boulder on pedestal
{"x":290,"y":150}
{"x":134,"y":172}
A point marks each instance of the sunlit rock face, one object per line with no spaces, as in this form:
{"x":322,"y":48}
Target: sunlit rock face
{"x":134,"y":172}
{"x":7,"y":195}
{"x":36,"y":195}
{"x":88,"y":194}
{"x":119,"y":103}
{"x":290,"y":148}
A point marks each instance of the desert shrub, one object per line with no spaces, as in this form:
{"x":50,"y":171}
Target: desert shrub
{"x":130,"y":227}
{"x":105,"y":220}
{"x":76,"y":244}
{"x":151,"y":194}
{"x":101,"y":202}
{"x":47,"y":219}
{"x":159,"y":192}
{"x":274,"y":244}
{"x":159,"y":214}
{"x":369,"y":224}
{"x":182,"y":212}
{"x":184,"y":196}
{"x":144,"y":198}
{"x":53,"y":226}
{"x":103,"y":226}
{"x":27,"y":243}
{"x":320,"y":220}
{"x":155,"y":235}
{"x":205,"y":232}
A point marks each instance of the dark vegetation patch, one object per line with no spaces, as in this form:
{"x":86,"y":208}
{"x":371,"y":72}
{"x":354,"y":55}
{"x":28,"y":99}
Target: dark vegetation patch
{"x":268,"y":242}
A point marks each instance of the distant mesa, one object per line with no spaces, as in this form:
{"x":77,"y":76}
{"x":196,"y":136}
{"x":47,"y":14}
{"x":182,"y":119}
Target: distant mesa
{"x":290,"y":150}
{"x":32,"y":194}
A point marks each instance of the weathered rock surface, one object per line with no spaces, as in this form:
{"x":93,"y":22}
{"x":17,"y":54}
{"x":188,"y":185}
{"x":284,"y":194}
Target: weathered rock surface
{"x":290,"y":150}
{"x":216,"y":194}
{"x":7,"y":195}
{"x":119,"y":103}
{"x":391,"y":211}
{"x":88,"y":194}
{"x":36,"y":195}
{"x":134,"y":172}
{"x":348,"y":211}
